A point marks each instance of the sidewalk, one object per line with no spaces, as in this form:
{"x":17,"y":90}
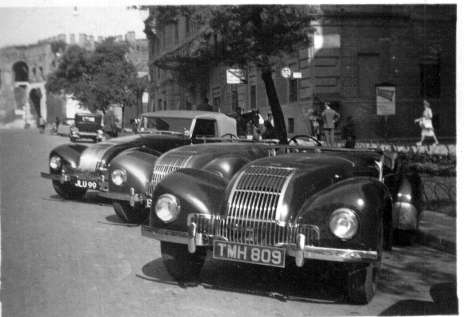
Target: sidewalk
{"x":438,"y":231}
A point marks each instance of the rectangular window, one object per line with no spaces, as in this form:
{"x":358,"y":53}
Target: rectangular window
{"x":292,"y":90}
{"x":160,"y":104}
{"x":205,"y":128}
{"x":291,"y":125}
{"x":234,"y":98}
{"x":430,"y":80}
{"x":165,"y":105}
{"x":253,"y":97}
{"x":176,"y":32}
{"x":217,"y":103}
{"x":187,"y":25}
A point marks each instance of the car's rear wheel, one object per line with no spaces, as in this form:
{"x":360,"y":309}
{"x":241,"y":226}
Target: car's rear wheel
{"x":130,"y":214}
{"x":68,"y":191}
{"x":180,"y":263}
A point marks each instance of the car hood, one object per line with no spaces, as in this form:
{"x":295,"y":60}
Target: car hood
{"x":283,"y":183}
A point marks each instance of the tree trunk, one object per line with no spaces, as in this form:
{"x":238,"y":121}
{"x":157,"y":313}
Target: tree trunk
{"x":277,"y":114}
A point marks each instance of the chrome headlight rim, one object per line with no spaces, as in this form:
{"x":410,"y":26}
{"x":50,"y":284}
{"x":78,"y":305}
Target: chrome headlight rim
{"x":118,"y":176}
{"x":167,"y":208}
{"x":344,"y":223}
{"x":55,"y":162}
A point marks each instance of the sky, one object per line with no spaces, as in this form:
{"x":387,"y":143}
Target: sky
{"x":28,"y":24}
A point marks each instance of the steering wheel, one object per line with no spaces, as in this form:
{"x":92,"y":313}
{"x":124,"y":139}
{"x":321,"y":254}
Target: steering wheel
{"x":230,"y":135}
{"x":294,"y":140}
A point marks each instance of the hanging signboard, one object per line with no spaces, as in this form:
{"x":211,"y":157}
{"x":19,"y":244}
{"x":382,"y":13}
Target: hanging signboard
{"x":386,"y":100}
{"x":235,"y":76}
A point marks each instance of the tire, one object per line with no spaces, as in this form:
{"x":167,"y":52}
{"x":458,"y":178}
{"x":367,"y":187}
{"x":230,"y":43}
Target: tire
{"x":125,"y":212}
{"x":182,"y":265}
{"x":361,"y":283}
{"x":68,"y":191}
{"x":361,"y":279}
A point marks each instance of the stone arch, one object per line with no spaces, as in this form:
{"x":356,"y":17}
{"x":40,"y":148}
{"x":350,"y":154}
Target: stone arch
{"x":21,"y":71}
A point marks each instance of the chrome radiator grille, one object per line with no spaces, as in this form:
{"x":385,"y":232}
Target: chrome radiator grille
{"x":257,"y":192}
{"x":253,"y":211}
{"x":265,"y":233}
{"x":165,"y":165}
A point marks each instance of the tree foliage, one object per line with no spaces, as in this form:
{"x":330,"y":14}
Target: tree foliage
{"x":260,"y":35}
{"x":99,"y":78}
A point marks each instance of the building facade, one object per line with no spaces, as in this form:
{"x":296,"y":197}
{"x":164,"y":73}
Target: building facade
{"x":24,"y":70}
{"x":356,"y":49}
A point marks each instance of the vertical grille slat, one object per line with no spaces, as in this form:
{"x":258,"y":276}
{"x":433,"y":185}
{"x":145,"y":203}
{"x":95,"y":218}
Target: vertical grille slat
{"x":167,"y":164}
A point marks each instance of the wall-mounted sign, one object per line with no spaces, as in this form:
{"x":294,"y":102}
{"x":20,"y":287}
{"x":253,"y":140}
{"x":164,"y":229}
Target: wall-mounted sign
{"x":297,"y":75}
{"x":286,"y":72}
{"x":236,"y":76}
{"x":386,"y":100}
{"x":145,"y":97}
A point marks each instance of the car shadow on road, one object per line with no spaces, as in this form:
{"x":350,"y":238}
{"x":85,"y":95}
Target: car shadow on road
{"x":89,"y":198}
{"x":445,"y":302}
{"x":310,"y":284}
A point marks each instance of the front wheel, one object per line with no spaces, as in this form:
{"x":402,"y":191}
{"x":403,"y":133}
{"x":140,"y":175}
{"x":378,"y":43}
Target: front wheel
{"x":361,"y":283}
{"x":180,"y":263}
{"x":130,"y":214}
{"x":68,"y":191}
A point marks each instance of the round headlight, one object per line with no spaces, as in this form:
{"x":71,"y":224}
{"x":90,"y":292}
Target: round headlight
{"x":118,"y":176}
{"x":167,"y":207}
{"x":344,"y":223}
{"x":55,"y":162}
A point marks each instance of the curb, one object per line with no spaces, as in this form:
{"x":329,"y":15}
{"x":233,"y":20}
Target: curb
{"x":435,"y":242}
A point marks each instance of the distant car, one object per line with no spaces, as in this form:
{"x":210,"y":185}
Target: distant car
{"x":86,"y":126}
{"x":75,"y":168}
{"x":338,"y":207}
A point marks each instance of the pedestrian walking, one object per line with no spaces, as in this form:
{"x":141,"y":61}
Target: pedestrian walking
{"x":41,"y":124}
{"x":425,"y":123}
{"x":268,"y":131}
{"x":329,"y":117}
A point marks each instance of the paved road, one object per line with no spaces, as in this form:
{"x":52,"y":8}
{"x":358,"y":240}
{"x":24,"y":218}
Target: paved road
{"x":69,"y":258}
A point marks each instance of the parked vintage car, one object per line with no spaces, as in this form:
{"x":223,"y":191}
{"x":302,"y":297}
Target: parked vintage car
{"x":338,"y":206}
{"x":76,"y":168}
{"x":131,"y":193}
{"x":86,"y":126}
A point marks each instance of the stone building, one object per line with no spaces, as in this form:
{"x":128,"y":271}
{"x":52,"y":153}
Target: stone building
{"x":24,"y":70}
{"x":357,"y":51}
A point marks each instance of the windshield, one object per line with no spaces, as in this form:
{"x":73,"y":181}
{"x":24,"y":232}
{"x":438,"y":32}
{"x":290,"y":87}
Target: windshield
{"x":166,"y":124}
{"x":84,"y":118}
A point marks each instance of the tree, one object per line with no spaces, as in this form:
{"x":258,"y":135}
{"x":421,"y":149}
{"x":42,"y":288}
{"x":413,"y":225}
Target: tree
{"x":97,"y":79}
{"x":261,"y":35}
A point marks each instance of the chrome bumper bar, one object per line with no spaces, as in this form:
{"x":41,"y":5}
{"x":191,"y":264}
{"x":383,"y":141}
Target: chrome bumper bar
{"x":300,"y":250}
{"x":63,"y":178}
{"x":132,"y":197}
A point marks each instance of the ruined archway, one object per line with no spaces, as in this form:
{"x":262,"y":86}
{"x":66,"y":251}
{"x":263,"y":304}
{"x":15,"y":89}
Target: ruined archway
{"x":20,"y":71}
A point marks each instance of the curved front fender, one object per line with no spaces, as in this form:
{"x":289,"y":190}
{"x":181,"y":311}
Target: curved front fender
{"x":70,"y":153}
{"x":366,"y":196}
{"x":198,"y":191}
{"x":138,"y":166}
{"x":226,"y":166}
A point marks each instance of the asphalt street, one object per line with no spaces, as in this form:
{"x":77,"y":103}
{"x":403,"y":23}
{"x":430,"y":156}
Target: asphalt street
{"x":74,"y":258}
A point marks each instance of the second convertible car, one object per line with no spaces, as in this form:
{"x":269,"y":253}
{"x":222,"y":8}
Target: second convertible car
{"x":76,"y":168}
{"x":337,"y":206}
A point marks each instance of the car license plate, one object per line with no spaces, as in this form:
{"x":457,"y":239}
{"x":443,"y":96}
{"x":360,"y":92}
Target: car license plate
{"x":271,"y":256}
{"x":86,"y":184}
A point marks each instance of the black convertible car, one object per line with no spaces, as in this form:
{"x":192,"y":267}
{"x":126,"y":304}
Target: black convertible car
{"x":306,"y":204}
{"x":76,"y":168}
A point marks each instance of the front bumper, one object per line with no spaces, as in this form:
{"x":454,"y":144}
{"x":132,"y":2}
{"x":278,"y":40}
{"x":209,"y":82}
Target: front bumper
{"x":82,"y":180}
{"x":132,"y":197}
{"x":298,"y":249}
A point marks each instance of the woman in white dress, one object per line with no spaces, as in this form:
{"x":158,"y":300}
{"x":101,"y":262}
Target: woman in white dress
{"x":425,"y":122}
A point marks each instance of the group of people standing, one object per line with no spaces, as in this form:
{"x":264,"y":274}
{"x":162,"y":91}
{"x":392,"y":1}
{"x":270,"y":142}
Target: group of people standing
{"x":324,"y":123}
